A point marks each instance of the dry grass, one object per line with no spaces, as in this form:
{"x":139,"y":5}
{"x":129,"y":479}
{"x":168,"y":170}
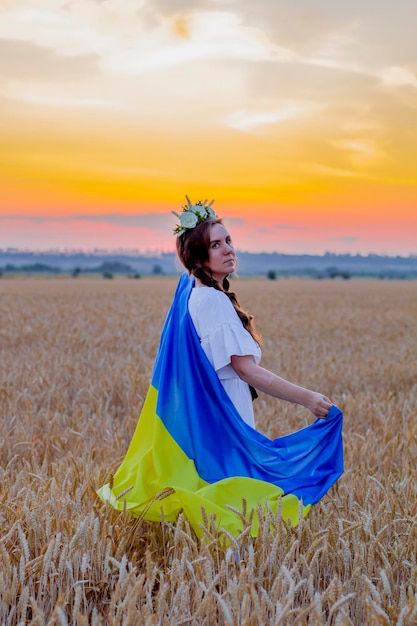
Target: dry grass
{"x":76,"y":360}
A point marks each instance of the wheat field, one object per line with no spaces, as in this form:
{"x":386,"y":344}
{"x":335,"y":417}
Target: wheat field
{"x":76,"y":361}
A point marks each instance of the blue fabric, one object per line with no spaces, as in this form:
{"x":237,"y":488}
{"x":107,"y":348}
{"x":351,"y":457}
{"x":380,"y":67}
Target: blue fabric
{"x":200,"y":416}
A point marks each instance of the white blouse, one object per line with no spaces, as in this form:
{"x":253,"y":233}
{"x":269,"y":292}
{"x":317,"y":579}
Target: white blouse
{"x":222,"y":335}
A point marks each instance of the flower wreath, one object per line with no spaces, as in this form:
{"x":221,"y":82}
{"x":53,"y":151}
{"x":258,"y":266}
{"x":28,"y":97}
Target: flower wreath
{"x":193,"y":214}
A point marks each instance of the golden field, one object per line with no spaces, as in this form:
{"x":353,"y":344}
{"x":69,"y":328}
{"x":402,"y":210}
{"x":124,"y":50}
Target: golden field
{"x":76,"y":361}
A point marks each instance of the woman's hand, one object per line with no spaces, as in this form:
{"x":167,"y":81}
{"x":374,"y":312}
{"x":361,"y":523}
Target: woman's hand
{"x":318,"y":404}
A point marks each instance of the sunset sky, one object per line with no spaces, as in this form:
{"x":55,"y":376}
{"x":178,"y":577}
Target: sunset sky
{"x":298,"y":117}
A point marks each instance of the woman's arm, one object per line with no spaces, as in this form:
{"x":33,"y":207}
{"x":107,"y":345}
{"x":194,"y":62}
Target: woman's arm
{"x":264,"y":380}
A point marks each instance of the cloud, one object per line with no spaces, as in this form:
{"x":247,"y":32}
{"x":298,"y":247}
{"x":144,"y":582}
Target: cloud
{"x":57,"y":101}
{"x":345,"y":239}
{"x":120,"y":36}
{"x":325,"y":170}
{"x":376,"y":33}
{"x":327,"y":82}
{"x":354,"y":39}
{"x":154,"y":221}
{"x":398,"y":77}
{"x":178,"y":6}
{"x":74,"y":41}
{"x":360,"y":151}
{"x":271,"y":227}
{"x":32,"y":93}
{"x":23,"y":60}
{"x":351,"y":35}
{"x":87,"y":232}
{"x":311,"y":85}
{"x":205,"y":36}
{"x":246,"y":121}
{"x":69,"y":29}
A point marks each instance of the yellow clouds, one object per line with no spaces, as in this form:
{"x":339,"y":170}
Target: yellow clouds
{"x":359,"y":151}
{"x":253,"y":120}
{"x":398,"y":77}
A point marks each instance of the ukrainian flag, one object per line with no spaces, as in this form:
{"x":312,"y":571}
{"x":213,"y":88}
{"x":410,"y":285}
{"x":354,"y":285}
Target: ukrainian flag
{"x":191,"y":449}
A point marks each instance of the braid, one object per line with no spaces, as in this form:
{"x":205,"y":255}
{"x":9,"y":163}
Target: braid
{"x":205,"y":276}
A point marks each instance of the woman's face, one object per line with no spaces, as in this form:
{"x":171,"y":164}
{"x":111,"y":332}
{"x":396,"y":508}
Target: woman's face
{"x":222,"y":256}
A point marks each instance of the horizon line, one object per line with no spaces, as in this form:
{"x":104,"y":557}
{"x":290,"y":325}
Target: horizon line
{"x":136,"y":252}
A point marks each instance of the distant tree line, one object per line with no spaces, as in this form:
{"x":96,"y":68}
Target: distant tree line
{"x":109,"y":269}
{"x":334,"y":272}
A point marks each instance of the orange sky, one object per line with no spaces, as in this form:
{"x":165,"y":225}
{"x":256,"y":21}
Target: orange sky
{"x":298,"y":118}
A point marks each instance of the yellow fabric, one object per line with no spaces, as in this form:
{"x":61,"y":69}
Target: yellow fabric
{"x":155,"y":466}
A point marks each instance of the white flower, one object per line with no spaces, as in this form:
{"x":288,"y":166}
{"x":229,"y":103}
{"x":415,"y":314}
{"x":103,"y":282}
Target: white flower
{"x":188,"y":219}
{"x":196,"y":208}
{"x":210,"y":212}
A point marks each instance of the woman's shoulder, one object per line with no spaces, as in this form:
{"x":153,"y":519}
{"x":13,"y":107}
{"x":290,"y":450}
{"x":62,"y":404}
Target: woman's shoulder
{"x":208,"y":292}
{"x":212,"y":303}
{"x":211,"y":295}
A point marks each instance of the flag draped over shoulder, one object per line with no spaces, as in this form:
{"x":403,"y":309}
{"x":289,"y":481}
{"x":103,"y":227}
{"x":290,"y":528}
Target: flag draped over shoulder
{"x":191,"y":449}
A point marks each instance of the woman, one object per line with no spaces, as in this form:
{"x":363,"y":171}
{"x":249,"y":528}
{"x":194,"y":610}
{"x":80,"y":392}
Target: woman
{"x":227,"y":333}
{"x":195,"y":447}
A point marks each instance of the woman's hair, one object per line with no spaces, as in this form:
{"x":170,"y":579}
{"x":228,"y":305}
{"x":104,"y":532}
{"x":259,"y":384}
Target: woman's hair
{"x":193,"y":251}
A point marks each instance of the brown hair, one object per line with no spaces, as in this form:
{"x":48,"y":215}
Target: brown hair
{"x":193,"y":252}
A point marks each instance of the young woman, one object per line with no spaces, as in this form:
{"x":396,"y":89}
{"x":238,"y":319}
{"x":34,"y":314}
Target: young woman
{"x":195,"y":446}
{"x":227,"y":332}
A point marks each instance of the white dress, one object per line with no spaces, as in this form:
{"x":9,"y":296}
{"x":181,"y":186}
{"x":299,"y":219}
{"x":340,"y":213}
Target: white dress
{"x":222,"y":335}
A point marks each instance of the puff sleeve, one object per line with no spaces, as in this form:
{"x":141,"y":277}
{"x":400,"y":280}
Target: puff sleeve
{"x":219,"y":328}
